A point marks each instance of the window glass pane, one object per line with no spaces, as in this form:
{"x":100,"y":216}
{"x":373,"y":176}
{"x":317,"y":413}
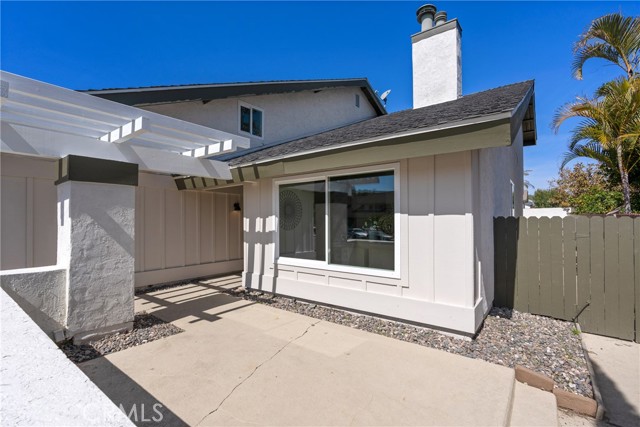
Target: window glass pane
{"x":361,"y":220}
{"x":257,"y":123}
{"x":301,"y":220}
{"x":245,"y":119}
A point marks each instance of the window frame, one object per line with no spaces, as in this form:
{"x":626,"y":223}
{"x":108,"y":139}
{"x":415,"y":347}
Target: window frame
{"x":251,"y":108}
{"x":326,"y":264}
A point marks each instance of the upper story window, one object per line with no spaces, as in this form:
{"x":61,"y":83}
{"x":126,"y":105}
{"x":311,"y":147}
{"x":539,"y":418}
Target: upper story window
{"x":251,"y":120}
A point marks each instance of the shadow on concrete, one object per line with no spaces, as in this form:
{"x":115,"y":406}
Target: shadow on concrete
{"x":142,"y":408}
{"x":619,"y":411}
{"x":190,"y":300}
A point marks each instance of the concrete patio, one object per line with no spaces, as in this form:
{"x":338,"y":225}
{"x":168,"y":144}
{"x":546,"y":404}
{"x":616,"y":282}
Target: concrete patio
{"x":242,"y":363}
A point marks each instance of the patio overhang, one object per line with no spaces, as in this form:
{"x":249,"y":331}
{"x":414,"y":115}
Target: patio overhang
{"x":41,"y":119}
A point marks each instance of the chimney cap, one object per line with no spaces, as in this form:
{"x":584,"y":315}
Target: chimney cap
{"x":441,"y":17}
{"x":424,"y":10}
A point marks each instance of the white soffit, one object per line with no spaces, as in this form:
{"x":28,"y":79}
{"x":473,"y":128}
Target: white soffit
{"x":111,"y":130}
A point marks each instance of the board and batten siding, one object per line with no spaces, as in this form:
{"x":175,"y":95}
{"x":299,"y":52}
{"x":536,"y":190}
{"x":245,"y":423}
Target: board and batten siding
{"x":179,"y":234}
{"x":184,"y":234}
{"x":28,"y":201}
{"x":436,"y":281}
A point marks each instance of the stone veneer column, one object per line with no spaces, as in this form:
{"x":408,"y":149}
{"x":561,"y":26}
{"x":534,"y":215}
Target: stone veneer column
{"x":96,"y":243}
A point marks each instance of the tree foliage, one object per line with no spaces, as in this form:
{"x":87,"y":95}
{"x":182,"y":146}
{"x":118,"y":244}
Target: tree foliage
{"x":614,"y":38}
{"x":609,"y":130}
{"x":544,"y":198}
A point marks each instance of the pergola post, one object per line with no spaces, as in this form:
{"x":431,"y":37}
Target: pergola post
{"x":96,"y":244}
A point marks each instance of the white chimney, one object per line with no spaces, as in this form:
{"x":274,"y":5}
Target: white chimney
{"x":437,"y":58}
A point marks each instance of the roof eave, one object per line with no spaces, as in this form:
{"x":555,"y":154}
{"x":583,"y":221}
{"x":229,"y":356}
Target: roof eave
{"x":390,"y":138}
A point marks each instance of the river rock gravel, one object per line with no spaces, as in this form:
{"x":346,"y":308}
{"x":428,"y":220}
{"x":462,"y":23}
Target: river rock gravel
{"x":146,"y":328}
{"x":508,"y":337}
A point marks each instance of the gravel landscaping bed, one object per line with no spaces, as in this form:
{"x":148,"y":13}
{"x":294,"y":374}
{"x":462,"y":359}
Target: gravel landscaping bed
{"x":146,"y":328}
{"x":508,"y":337}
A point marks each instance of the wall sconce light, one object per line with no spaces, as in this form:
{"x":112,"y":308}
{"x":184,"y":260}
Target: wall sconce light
{"x":236,"y":207}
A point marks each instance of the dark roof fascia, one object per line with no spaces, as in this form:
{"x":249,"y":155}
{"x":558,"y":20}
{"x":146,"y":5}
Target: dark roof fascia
{"x":208,"y":92}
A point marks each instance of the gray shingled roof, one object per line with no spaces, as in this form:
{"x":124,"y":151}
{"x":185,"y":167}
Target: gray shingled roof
{"x":499,"y":100}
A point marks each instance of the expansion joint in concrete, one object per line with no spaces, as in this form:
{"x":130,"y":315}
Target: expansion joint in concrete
{"x":256,"y":370}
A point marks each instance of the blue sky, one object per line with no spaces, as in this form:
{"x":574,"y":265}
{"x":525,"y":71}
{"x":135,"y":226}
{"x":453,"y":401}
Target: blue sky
{"x":121,"y":44}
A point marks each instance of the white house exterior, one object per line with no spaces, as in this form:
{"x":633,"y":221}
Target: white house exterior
{"x":331,"y":200}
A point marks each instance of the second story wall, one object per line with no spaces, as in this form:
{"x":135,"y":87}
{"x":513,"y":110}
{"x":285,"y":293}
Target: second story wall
{"x":286,"y":116}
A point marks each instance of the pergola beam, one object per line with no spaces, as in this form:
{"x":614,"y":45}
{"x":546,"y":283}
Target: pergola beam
{"x":35,"y":141}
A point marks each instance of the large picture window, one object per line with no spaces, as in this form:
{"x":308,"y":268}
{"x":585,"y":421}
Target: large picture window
{"x":341,"y":220}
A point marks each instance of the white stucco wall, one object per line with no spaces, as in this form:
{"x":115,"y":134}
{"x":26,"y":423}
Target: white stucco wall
{"x":437,"y":66}
{"x":436,"y":274}
{"x":286,"y":116}
{"x":45,"y":288}
{"x":40,"y":386}
{"x":495,"y":169}
{"x":96,"y":241}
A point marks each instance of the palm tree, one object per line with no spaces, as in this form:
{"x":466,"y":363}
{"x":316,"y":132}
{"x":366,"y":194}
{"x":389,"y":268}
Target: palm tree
{"x":612,"y":37}
{"x":610,"y":129}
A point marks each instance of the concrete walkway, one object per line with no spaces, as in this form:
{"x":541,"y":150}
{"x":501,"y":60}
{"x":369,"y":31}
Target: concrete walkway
{"x":617,"y":368}
{"x":241,"y":363}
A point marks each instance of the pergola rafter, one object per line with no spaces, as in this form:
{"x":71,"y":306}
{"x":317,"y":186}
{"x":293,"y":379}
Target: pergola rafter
{"x":183,"y":146}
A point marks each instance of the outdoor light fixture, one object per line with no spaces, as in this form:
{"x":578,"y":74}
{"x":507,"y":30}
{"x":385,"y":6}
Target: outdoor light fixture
{"x":236,"y":207}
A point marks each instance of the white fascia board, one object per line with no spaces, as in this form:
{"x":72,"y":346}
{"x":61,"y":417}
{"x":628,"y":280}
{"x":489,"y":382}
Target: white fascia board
{"x":74,"y":106}
{"x":42,"y":142}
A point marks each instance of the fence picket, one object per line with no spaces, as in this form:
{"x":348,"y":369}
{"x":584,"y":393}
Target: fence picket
{"x":597,"y":275}
{"x":611,"y":276}
{"x":546,"y":295}
{"x":626,"y":285}
{"x":521,"y":302}
{"x":533,"y":264}
{"x":583,"y":260}
{"x":557,"y":276}
{"x":511,"y":252}
{"x":569,"y":266}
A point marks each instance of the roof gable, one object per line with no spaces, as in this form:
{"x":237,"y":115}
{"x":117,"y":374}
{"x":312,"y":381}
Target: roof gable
{"x":513,"y":102}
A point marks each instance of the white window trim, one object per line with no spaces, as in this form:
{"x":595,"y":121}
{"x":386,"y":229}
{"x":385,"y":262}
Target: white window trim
{"x":251,"y":107}
{"x":325,"y":265}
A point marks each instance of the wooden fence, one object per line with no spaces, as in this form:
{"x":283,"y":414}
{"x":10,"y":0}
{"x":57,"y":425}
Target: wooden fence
{"x":574,"y":267}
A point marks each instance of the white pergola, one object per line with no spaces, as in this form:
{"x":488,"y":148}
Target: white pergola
{"x":45,"y":120}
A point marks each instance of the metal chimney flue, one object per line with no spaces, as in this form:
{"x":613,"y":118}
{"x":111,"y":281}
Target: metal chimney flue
{"x":440,"y":18}
{"x":426,"y":16}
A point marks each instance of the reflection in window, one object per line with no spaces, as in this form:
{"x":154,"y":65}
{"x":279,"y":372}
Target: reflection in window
{"x":301,"y":220}
{"x":251,"y":120}
{"x":361,"y":218}
{"x":256,"y":128}
{"x":245,"y":119}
